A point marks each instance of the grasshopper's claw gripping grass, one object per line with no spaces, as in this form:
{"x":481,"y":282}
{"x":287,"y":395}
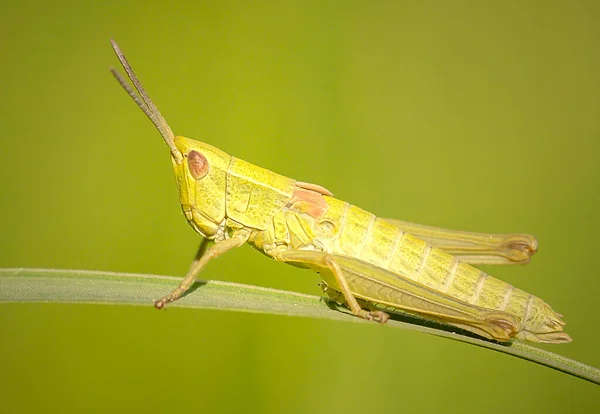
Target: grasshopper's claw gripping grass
{"x":375,"y":316}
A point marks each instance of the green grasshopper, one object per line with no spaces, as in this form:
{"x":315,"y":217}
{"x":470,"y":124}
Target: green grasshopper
{"x":366,"y":263}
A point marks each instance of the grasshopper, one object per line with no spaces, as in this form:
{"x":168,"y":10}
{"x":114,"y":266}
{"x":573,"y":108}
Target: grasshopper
{"x":367,"y":263}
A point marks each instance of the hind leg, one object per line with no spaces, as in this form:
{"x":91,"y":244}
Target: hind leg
{"x":327,"y":261}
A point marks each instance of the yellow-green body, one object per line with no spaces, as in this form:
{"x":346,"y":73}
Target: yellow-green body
{"x":404,"y":271}
{"x":381,"y":262}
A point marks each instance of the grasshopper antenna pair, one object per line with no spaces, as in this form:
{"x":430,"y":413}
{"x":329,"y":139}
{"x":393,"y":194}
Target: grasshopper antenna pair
{"x":144,"y":102}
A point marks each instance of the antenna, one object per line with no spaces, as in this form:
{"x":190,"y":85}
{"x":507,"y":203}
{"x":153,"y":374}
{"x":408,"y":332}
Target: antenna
{"x":144,"y":102}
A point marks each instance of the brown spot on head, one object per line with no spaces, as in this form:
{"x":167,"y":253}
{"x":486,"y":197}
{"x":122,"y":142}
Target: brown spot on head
{"x":197,"y":164}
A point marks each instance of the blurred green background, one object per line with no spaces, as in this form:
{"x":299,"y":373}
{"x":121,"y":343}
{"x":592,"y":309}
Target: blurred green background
{"x":450,"y":113}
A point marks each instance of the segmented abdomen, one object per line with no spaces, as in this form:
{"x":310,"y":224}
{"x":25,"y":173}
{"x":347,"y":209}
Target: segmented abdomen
{"x":368,"y":238}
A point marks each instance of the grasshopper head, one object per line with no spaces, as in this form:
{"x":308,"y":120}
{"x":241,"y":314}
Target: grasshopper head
{"x":200,"y":168}
{"x":202,"y":183}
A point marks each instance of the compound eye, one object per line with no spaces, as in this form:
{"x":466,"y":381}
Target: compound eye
{"x":198,"y":164}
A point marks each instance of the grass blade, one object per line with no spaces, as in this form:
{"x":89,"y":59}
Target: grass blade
{"x":83,"y":286}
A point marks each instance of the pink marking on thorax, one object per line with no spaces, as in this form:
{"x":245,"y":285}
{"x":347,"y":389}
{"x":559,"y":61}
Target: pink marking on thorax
{"x":309,"y":202}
